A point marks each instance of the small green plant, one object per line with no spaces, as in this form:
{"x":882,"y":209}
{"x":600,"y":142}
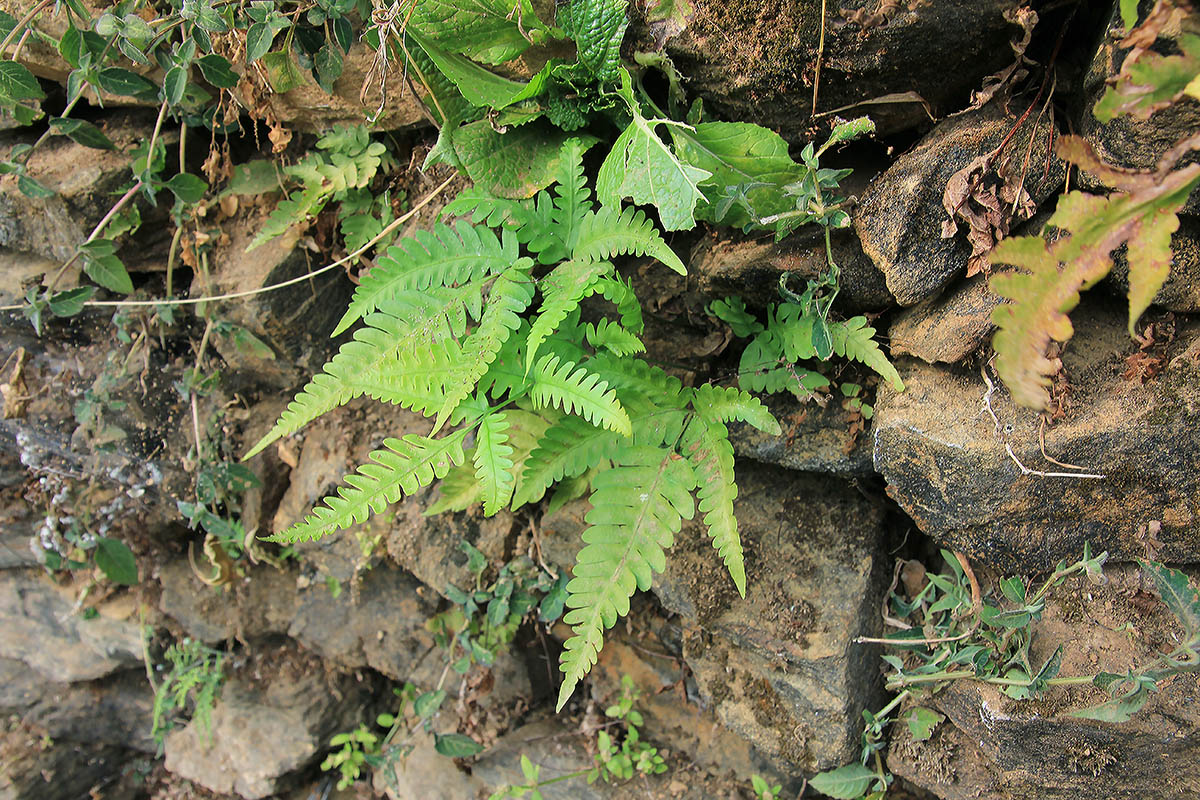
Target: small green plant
{"x":356,"y":747}
{"x":619,"y":755}
{"x":763,"y":790}
{"x":193,"y":680}
{"x":482,"y":621}
{"x":72,"y":535}
{"x":955,"y":633}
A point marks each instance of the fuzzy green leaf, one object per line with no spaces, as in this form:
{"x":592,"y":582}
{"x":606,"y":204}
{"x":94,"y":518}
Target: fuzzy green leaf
{"x":18,"y":83}
{"x":515,"y":164}
{"x":481,"y":87}
{"x":490,"y":31}
{"x":598,"y":26}
{"x":637,"y":508}
{"x":399,"y":470}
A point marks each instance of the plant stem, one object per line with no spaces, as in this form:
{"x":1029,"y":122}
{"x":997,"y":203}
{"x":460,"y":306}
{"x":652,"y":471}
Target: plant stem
{"x":22,"y":23}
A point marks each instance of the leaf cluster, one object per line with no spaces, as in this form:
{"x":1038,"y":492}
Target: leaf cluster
{"x":194,"y":680}
{"x":523,"y":399}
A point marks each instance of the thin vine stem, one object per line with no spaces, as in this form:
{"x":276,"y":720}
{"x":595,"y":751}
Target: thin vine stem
{"x":23,"y":23}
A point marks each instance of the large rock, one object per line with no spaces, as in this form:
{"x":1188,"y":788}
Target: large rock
{"x":263,"y":602}
{"x":779,"y":668}
{"x":40,"y":626}
{"x":948,"y":328}
{"x":264,"y":729}
{"x":901,"y":216}
{"x":814,"y":438}
{"x":755,"y":61}
{"x":946,"y":463}
{"x":993,"y":748}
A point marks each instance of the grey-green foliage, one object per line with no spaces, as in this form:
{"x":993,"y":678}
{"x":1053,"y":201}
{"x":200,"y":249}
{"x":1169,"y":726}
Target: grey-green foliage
{"x":193,"y":680}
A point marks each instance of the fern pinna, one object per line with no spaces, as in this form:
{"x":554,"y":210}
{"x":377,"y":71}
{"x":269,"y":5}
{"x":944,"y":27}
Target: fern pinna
{"x":527,"y":399}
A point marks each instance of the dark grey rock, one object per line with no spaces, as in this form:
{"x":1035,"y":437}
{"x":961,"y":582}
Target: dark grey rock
{"x":899,"y":220}
{"x":814,"y":439}
{"x":947,"y":466}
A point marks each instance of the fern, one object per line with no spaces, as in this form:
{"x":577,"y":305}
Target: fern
{"x":610,"y":336}
{"x":728,"y":404}
{"x":610,"y":232}
{"x":855,"y":340}
{"x":637,"y":508}
{"x":404,"y":467}
{"x":1143,"y":216}
{"x":444,"y":257}
{"x":494,"y":463}
{"x":706,"y":444}
{"x":576,"y":391}
{"x":562,"y":291}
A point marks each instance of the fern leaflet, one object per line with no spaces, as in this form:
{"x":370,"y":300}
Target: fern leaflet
{"x":577,"y":391}
{"x":706,"y":444}
{"x":854,"y":339}
{"x":401,"y":469}
{"x":726,"y":404}
{"x":494,"y":463}
{"x":562,"y":290}
{"x":610,"y":336}
{"x":444,"y":257}
{"x":609,"y":232}
{"x":637,"y":508}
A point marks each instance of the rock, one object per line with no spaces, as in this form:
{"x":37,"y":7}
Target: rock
{"x":948,"y":328}
{"x":751,"y":268}
{"x":814,"y":439}
{"x":425,"y":773}
{"x":86,"y":183}
{"x":778,"y":668}
{"x":755,"y":61}
{"x":999,"y":749}
{"x":378,"y":622}
{"x":946,"y":467}
{"x":115,"y":710}
{"x":34,"y":770}
{"x":40,"y":626}
{"x":1126,"y":141}
{"x":899,"y":220}
{"x":1181,"y":292}
{"x":263,"y":602}
{"x":265,"y":730}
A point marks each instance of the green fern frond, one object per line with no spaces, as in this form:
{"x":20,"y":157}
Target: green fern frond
{"x":562,"y":291}
{"x":494,"y":463}
{"x":568,"y":448}
{"x":401,"y":469}
{"x":633,"y":375}
{"x":572,"y":201}
{"x":764,"y":369}
{"x":577,"y":391}
{"x":610,"y":336}
{"x":461,"y":489}
{"x":726,"y":404}
{"x":608,"y":233}
{"x":855,"y":340}
{"x":511,"y":294}
{"x":301,"y":206}
{"x":401,"y":326}
{"x":637,"y":508}
{"x":706,"y":445}
{"x":620,"y":293}
{"x":481,"y":206}
{"x":442,"y":257}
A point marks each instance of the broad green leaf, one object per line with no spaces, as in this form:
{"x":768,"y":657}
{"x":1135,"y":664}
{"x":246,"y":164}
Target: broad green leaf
{"x":1129,"y":13}
{"x":516,"y":164}
{"x":480,"y":86}
{"x":921,"y":722}
{"x":739,"y":153}
{"x":120,"y":81}
{"x":85,"y":133}
{"x":426,"y":704}
{"x":455,"y":745}
{"x":844,"y":783}
{"x":489,"y":31}
{"x":109,"y":272}
{"x":282,"y":71}
{"x":598,"y":26}
{"x":187,"y":187}
{"x":218,"y":71}
{"x":254,"y":177}
{"x":31,"y":188}
{"x":258,"y":41}
{"x":642,"y":168}
{"x":1177,"y":594}
{"x":1120,"y":709}
{"x":116,"y":561}
{"x":174,"y":84}
{"x":71,"y":302}
{"x":18,"y":83}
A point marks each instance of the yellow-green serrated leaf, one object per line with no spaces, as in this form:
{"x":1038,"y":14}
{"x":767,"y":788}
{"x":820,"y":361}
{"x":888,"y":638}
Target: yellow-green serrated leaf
{"x":706,"y":445}
{"x":494,"y":463}
{"x":855,"y":340}
{"x":729,"y":403}
{"x":399,"y":470}
{"x":608,"y":233}
{"x":637,"y":508}
{"x":562,"y":290}
{"x":577,"y":391}
{"x":1149,"y":254}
